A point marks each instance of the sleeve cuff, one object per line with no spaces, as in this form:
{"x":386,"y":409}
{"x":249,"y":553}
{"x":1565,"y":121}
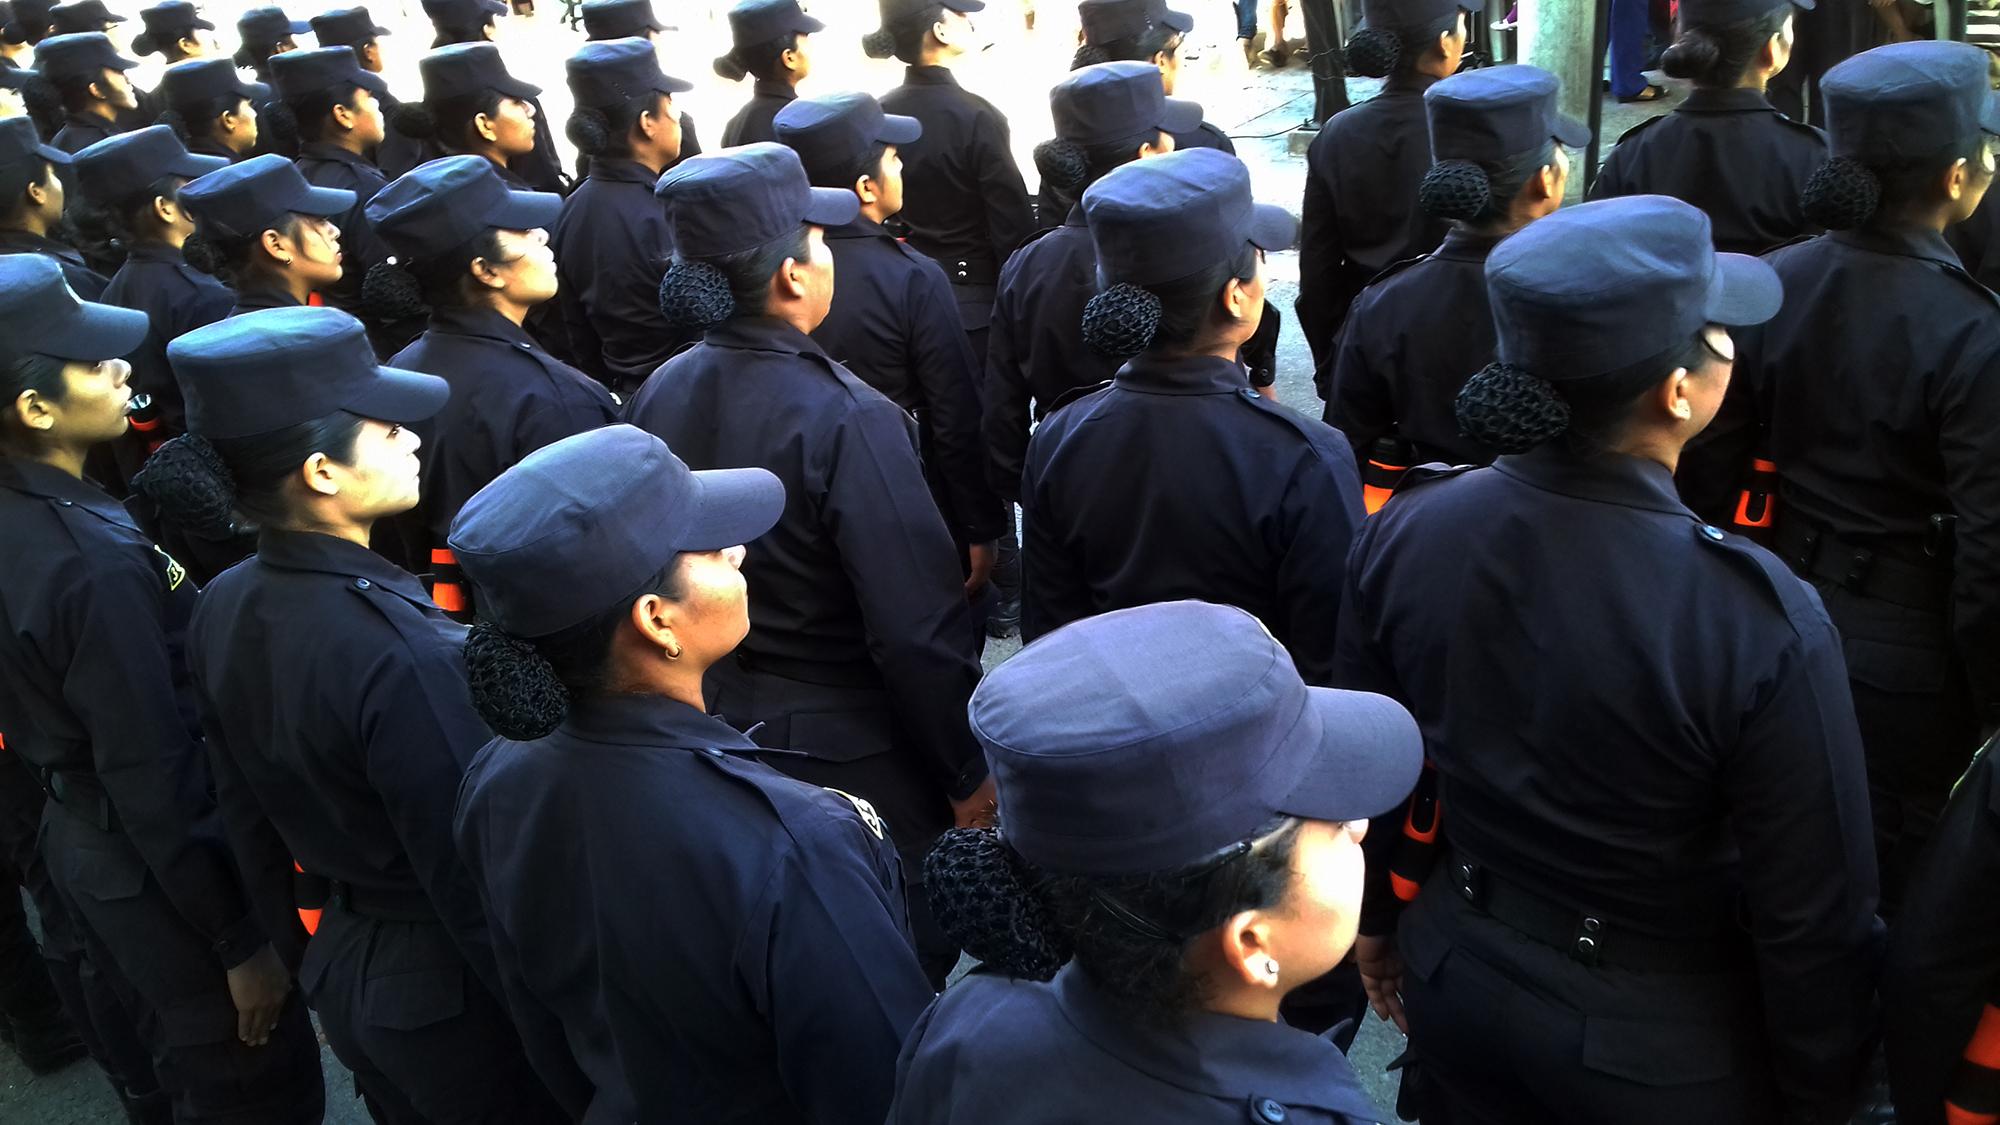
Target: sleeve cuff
{"x":969,"y":779}
{"x":240,"y":942}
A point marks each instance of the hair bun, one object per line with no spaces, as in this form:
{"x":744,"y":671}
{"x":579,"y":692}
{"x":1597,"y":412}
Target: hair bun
{"x":416,"y":121}
{"x":1120,"y":322}
{"x":172,"y":119}
{"x":1089,"y":54}
{"x":981,"y":897}
{"x":203,"y":255}
{"x":1694,"y":55}
{"x":389,"y":293}
{"x":278,"y":125}
{"x":730,"y":68}
{"x":1510,"y":409}
{"x":696,"y":295}
{"x":879,"y":44}
{"x":1374,"y":52}
{"x":1455,"y":189}
{"x":1063,"y":164}
{"x":1842,"y":194}
{"x":589,"y":130}
{"x":513,"y":688}
{"x":187,"y":480}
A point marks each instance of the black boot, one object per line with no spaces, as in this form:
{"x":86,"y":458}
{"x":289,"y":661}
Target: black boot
{"x":1003,"y":615}
{"x":47,"y":1042}
{"x":152,"y":1108}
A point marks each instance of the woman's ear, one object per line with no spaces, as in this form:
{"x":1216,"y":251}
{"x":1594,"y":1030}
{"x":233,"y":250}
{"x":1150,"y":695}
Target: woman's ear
{"x":317,"y":473}
{"x":482,"y":271}
{"x":1245,"y":941}
{"x":484,"y":126}
{"x":165,"y":210}
{"x":1672,"y":395}
{"x":276,"y":246}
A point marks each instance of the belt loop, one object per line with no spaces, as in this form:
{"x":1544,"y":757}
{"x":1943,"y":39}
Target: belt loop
{"x":1589,"y":934}
{"x":1858,"y":566}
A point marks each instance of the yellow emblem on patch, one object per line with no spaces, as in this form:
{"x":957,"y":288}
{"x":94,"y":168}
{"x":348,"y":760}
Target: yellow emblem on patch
{"x":869,"y":816}
{"x":176,"y":573}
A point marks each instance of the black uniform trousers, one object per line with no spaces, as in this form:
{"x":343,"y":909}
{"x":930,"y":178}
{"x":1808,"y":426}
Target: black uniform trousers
{"x":428,"y":1044}
{"x":857,"y":749}
{"x":1509,"y":1030}
{"x":170,"y":981}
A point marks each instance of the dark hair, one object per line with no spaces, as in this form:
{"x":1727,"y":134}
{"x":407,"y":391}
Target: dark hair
{"x":306,"y":117}
{"x":44,"y":104}
{"x":1479,"y":194}
{"x":700,"y":293}
{"x":42,"y":374}
{"x":903,"y":39}
{"x":108,"y":229}
{"x":1845,"y":193}
{"x":1379,"y":52}
{"x":1513,"y":410}
{"x":398,"y":290}
{"x":448,"y":121}
{"x":1123,"y":319}
{"x":447,"y":34}
{"x":1128,"y":934}
{"x":73,"y":90}
{"x":1716,"y":55}
{"x":257,"y":56}
{"x":215,"y":488}
{"x":869,"y":164}
{"x":1155,"y":39}
{"x":14,"y":185}
{"x":607,"y":130}
{"x":758,"y":60}
{"x":197,"y":120}
{"x":229,"y":257}
{"x":522,"y":688}
{"x":1070,"y":167}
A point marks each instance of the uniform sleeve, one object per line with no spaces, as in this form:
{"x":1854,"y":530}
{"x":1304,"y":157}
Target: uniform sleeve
{"x":1610,"y":181}
{"x":1359,"y":401}
{"x":560,"y":412}
{"x":942,"y":360}
{"x":1319,"y":245}
{"x":1052,"y":589}
{"x":208,"y":304}
{"x":1010,"y":218}
{"x":261,"y":855}
{"x":625,"y":318}
{"x":1972,"y":480}
{"x":905,"y":573}
{"x":1796,"y":791}
{"x":1320,"y":511}
{"x":119,"y":682}
{"x":1359,"y":664}
{"x":913,"y":1103}
{"x":831,"y":965}
{"x":1005,"y":397}
{"x":418,"y":733}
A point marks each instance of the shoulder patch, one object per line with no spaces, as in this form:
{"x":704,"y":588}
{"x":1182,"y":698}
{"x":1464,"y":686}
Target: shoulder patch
{"x":174,"y":571}
{"x":866,"y":811}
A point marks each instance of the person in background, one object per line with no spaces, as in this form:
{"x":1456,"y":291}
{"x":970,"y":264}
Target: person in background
{"x":330,"y":106}
{"x":685,"y":930}
{"x":28,"y":23}
{"x":861,"y":652}
{"x":1136,"y":946}
{"x":1424,"y":326}
{"x":1360,"y":214}
{"x":356,"y":29}
{"x":893,"y":320}
{"x":613,"y":242}
{"x":1725,"y":149}
{"x":471,"y":105}
{"x":1631,"y":26}
{"x":31,"y":205}
{"x":211,"y":108}
{"x":635,"y":19}
{"x":1141,"y":31}
{"x":88,"y":74}
{"x":767,"y":44}
{"x":471,"y":21}
{"x":1683,"y":930}
{"x":266,"y":232}
{"x":265,"y":32}
{"x":174,"y":32}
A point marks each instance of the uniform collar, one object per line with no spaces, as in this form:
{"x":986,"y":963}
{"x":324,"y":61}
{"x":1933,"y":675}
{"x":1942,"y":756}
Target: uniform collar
{"x":1910,"y":242}
{"x":87,"y":121}
{"x":1703,"y":99}
{"x":1611,"y":478}
{"x":481,"y":322}
{"x":762,"y":334}
{"x":327,"y":150}
{"x":1181,"y":375}
{"x":154,"y":252}
{"x":861,"y":227}
{"x":1225,"y":1057}
{"x":262,"y":297}
{"x":1462,"y":244}
{"x":1075,"y":217}
{"x":32,"y":478}
{"x":765,"y":88}
{"x":1409,"y":83}
{"x":929,"y":76}
{"x":652,"y":722}
{"x":27,"y":242}
{"x":330,"y":554}
{"x":622,"y":171}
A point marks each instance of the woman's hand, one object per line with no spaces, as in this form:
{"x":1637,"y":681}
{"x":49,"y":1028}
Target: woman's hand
{"x":1382,"y":976}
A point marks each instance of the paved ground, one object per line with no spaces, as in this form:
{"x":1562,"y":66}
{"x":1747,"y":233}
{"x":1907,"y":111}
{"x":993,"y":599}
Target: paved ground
{"x":1259,"y":109}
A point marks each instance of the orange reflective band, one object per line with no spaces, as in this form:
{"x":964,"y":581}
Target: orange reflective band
{"x":449,"y":596}
{"x":1984,"y":1050}
{"x":1406,"y":889}
{"x":1374,"y":496}
{"x":1763,"y":466}
{"x":442,"y":556}
{"x":1761,"y":502}
{"x":1956,"y":1116}
{"x":1387,"y":467}
{"x":145,"y":426}
{"x":1427,"y":834}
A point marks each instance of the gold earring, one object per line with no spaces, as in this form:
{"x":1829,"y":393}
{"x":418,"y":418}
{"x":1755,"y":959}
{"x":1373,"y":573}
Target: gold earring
{"x":673,"y":652}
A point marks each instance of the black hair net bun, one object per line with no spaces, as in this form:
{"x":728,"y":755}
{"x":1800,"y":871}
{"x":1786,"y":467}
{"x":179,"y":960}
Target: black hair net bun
{"x":172,"y":119}
{"x":729,"y":67}
{"x":1121,"y":321}
{"x":1510,"y":409}
{"x":390,"y":292}
{"x":203,"y":255}
{"x":1842,"y":194}
{"x":980,"y":894}
{"x":589,"y":130}
{"x":278,"y":125}
{"x":188,"y":482}
{"x":1062,"y":163}
{"x":1455,"y":189}
{"x":1374,"y":52}
{"x":416,"y":121}
{"x":695,"y":295}
{"x":878,"y":44}
{"x":513,"y":688}
{"x":1089,"y":54}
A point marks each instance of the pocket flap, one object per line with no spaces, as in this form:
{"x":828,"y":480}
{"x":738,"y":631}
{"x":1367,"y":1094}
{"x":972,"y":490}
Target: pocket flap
{"x":410,"y":1000}
{"x":1656,"y":1053}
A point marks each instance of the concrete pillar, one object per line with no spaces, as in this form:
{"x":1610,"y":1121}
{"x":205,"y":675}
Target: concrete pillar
{"x":1562,"y":37}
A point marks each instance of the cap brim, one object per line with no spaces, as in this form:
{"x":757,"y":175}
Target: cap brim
{"x":732,"y":507}
{"x":120,"y":62}
{"x":54,"y":155}
{"x":1806,"y":5}
{"x":1571,"y":132}
{"x":193,"y":167}
{"x":1179,"y":115}
{"x":808,"y":26}
{"x":371,"y":82}
{"x":94,"y":332}
{"x":301,"y":27}
{"x":327,"y":203}
{"x":1745,"y":291}
{"x":899,"y":130}
{"x":1179,"y":21}
{"x":668,"y":84}
{"x":1473,"y":5}
{"x":142,"y":43}
{"x":380,"y":31}
{"x":1989,"y":114}
{"x":399,"y":396}
{"x":527,"y":210}
{"x":513,"y":87}
{"x":255,"y":91}
{"x":1272,"y":228}
{"x":492,"y":7}
{"x":832,"y":207}
{"x":964,"y":6}
{"x":1367,"y":760}
{"x":203,"y":25}
{"x":114,"y":17}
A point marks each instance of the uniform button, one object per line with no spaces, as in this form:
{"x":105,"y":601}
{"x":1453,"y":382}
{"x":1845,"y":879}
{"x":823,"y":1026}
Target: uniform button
{"x":362,"y":584}
{"x":1712,"y":531}
{"x":1269,"y":1110}
{"x":1249,"y":392}
{"x":713,"y":752}
{"x":1585,"y":945}
{"x":1592,"y":925}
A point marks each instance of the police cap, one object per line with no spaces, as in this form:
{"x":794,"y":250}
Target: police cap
{"x":169,"y":22}
{"x":1723,"y":13}
{"x":619,"y":19}
{"x":346,"y":27}
{"x":1119,"y":21}
{"x":117,"y":168}
{"x":268,"y":25}
{"x":463,"y":69}
{"x":1116,"y":101}
{"x":1390,"y":14}
{"x":461,"y":14}
{"x":274,"y":368}
{"x":740,"y":198}
{"x":256,"y":195}
{"x":1171,"y":217}
{"x":41,"y":315}
{"x":21,"y":144}
{"x":28,"y":21}
{"x":1908,"y":100}
{"x":203,"y":80}
{"x":1498,"y":113}
{"x":85,"y":55}
{"x":298,"y":73}
{"x":613,"y":72}
{"x":444,"y":204}
{"x":833,"y":134}
{"x":82,"y":15}
{"x":760,"y":21}
{"x":895,"y":13}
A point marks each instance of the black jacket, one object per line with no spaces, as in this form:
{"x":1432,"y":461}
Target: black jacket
{"x":327,"y":165}
{"x":612,"y":246}
{"x":177,"y":299}
{"x":752,"y":123}
{"x":88,"y":283}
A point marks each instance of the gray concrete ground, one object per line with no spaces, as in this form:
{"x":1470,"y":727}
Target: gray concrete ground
{"x":1257,"y":108}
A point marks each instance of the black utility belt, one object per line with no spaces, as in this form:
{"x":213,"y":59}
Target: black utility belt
{"x":1820,"y":556}
{"x":1588,"y":937}
{"x":381,"y":904}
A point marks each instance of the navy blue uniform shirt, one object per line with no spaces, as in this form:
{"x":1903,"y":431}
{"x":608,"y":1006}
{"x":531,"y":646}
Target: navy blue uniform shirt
{"x":1360,"y":214}
{"x":894,"y":322}
{"x":613,"y":245}
{"x":994,"y":1051}
{"x":684,"y":933}
{"x":256,"y":299}
{"x":334,"y":698}
{"x":860,"y":571}
{"x":1635,"y":713}
{"x":88,"y":283}
{"x":752,"y":123}
{"x":1730,"y":154}
{"x":1416,"y":334}
{"x":324,"y":164}
{"x":176,"y":298}
{"x":93,"y":621}
{"x":508,"y":399}
{"x":964,"y":204}
{"x":1243,"y":502}
{"x":1035,"y":353}
{"x":81,"y":130}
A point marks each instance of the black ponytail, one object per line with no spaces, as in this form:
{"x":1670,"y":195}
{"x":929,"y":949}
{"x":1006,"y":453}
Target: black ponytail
{"x":403,"y":289}
{"x":1152,"y":40}
{"x":1072,"y":167}
{"x":1842,"y":194}
{"x":1125,"y":319}
{"x":986,"y":899}
{"x":757,"y":60}
{"x":606,"y":131}
{"x":278,"y":126}
{"x":878,"y":44}
{"x":1845,"y":193}
{"x":415,"y":121}
{"x":215,"y":488}
{"x":589,"y":131}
